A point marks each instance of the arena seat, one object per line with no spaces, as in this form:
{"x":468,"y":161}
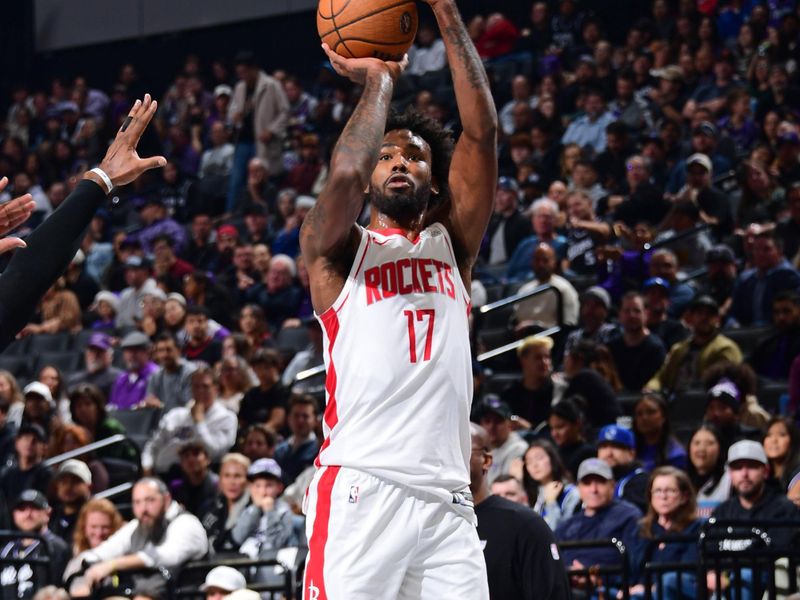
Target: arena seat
{"x":139,"y":423}
{"x":50,"y":342}
{"x":66,"y":362}
{"x":18,"y":366}
{"x":746,"y":337}
{"x":18,"y":347}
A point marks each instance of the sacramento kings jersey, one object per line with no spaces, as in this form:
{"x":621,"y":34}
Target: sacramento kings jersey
{"x":399,"y":374}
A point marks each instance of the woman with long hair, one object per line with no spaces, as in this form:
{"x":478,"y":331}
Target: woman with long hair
{"x":706,"y":469}
{"x":782,"y":447}
{"x":233,"y":374}
{"x":761,"y":197}
{"x":671,"y":512}
{"x":97,"y":521}
{"x":655,"y":444}
{"x":253,"y":324}
{"x":11,"y":394}
{"x":567,"y":423}
{"x":87,"y":406}
{"x":544,"y":477}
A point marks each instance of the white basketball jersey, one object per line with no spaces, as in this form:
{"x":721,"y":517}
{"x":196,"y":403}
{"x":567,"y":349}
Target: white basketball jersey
{"x":399,"y":370}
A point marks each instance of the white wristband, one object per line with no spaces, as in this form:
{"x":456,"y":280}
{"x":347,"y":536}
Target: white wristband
{"x":104,"y":176}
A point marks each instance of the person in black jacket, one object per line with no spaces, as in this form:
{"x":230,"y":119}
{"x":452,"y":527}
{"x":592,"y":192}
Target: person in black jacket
{"x":522,"y":559}
{"x":46,"y":252}
{"x":507,"y":227}
{"x":616,"y":447}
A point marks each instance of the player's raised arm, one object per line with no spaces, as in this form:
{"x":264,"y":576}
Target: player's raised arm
{"x":328,"y":229}
{"x":473,"y":171}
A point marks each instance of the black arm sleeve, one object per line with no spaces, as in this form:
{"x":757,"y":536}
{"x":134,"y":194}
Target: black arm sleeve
{"x":51,"y":247}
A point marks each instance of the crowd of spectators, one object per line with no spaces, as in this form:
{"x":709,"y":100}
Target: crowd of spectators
{"x":654,"y":183}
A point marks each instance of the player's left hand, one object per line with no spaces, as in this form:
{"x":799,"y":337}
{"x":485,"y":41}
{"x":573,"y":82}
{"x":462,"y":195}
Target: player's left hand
{"x":358,"y":70}
{"x":13,"y":214}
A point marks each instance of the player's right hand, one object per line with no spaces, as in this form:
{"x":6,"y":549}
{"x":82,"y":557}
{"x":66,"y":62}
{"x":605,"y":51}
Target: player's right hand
{"x":122,"y":163}
{"x":358,"y":70}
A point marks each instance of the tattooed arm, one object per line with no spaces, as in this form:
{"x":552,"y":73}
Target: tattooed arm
{"x":328,"y":237}
{"x":473,"y":171}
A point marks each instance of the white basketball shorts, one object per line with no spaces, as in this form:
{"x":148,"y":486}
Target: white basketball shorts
{"x":371,"y":539}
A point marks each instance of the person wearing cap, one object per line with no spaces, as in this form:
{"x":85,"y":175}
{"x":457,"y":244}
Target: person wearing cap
{"x":40,"y":407}
{"x":753,"y":499}
{"x":204,"y":417}
{"x":714,"y":205}
{"x":594,"y":325}
{"x":703,"y":143}
{"x":664,"y":266}
{"x":544,"y":214}
{"x":656,"y":309}
{"x":589,"y":130}
{"x":297,"y":452}
{"x":170,"y":385}
{"x":222,"y":581}
{"x":266,"y":524}
{"x":138,"y":280}
{"x":31,"y":513}
{"x":508,"y":226}
{"x":522,"y":559}
{"x":721,"y":266}
{"x":506,"y":445}
{"x":756,"y":288}
{"x":637,"y":353}
{"x":104,"y":310}
{"x":130,"y":388}
{"x":778,"y":347}
{"x":616,"y":447}
{"x":531,"y":396}
{"x":259,"y":111}
{"x":98,"y":370}
{"x":543,"y":310}
{"x":28,"y":471}
{"x":688,"y":361}
{"x":161,"y":534}
{"x":725,"y":406}
{"x":72,"y":485}
{"x":668,"y":97}
{"x":602,"y":517}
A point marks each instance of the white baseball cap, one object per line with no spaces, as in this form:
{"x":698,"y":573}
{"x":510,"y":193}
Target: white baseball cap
{"x":77,"y":468}
{"x":243,"y":595}
{"x":747,"y":450}
{"x":224,"y":578}
{"x":40,"y":389}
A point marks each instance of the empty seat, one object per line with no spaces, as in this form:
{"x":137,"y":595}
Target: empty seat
{"x":292,"y":338}
{"x":120,"y":471}
{"x":18,"y":347}
{"x":139,"y":423}
{"x":500,"y":381}
{"x":18,"y":366}
{"x":50,"y":342}
{"x":66,"y":362}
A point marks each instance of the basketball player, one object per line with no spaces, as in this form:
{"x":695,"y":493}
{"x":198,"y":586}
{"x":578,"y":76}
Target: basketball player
{"x":389,"y":514}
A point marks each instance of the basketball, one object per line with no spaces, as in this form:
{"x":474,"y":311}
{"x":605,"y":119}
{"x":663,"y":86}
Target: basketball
{"x":383,"y":29}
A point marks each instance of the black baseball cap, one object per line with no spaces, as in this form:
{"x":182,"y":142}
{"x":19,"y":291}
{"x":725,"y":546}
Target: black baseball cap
{"x":493,"y":404}
{"x":32,"y":429}
{"x":32,"y":497}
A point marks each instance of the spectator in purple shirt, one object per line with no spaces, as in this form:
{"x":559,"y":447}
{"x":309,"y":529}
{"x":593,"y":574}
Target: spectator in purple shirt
{"x":156,"y":222}
{"x":130,"y":388}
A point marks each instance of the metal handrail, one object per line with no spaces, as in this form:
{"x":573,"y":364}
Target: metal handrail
{"x":308,"y":373}
{"x":537,"y":291}
{"x":675,"y":238}
{"x":117,"y":438}
{"x":115,"y":491}
{"x":514,"y":345}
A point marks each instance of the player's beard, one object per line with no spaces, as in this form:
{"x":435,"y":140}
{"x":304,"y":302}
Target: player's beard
{"x":402,"y":207}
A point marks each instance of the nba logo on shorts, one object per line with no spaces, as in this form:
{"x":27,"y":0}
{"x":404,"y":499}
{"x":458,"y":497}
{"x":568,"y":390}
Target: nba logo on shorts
{"x":353,"y":494}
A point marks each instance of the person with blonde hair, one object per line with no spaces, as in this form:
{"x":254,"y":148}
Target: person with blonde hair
{"x":222,"y":512}
{"x":531,"y":396}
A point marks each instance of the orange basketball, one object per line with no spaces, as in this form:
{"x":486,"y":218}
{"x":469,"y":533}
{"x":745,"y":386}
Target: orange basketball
{"x":383,"y":29}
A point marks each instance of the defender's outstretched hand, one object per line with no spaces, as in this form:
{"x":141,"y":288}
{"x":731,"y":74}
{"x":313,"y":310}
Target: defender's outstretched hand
{"x":357,"y":69}
{"x":122,"y":163}
{"x":13,"y":214}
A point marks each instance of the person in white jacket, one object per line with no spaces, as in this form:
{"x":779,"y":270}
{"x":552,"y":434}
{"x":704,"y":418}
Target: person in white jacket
{"x":203,"y":418}
{"x":161,"y":535}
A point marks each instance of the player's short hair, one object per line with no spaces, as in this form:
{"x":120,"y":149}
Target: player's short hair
{"x":438,"y":138}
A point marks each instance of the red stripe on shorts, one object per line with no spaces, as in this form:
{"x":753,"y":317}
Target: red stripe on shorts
{"x":314,"y":584}
{"x":330,"y":321}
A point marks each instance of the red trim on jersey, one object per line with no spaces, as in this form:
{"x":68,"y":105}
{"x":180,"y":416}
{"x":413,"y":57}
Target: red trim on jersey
{"x":315,"y":568}
{"x":395,"y":231}
{"x":330,"y":321}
